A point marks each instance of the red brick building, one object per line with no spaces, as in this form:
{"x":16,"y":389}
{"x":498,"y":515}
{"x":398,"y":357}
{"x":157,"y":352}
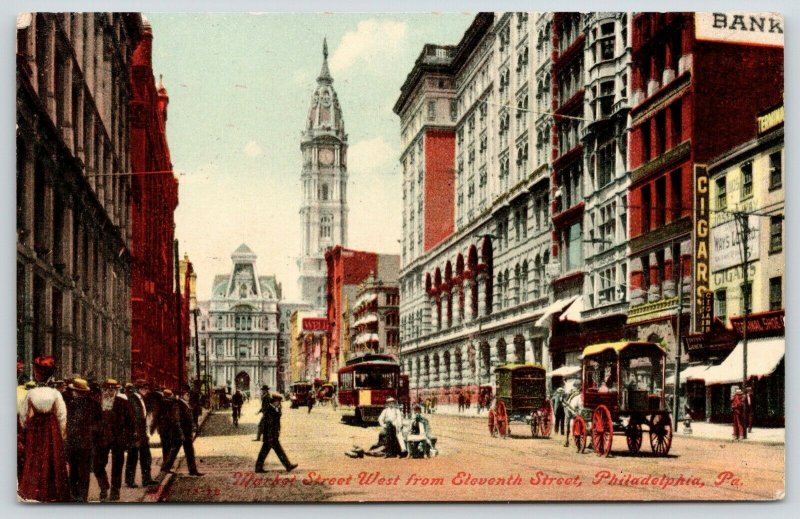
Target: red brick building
{"x":692,"y":100}
{"x":157,"y":329}
{"x":347,"y":269}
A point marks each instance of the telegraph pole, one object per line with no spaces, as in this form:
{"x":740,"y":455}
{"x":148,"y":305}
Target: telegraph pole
{"x":676,"y":386}
{"x":179,"y":307}
{"x":743,"y":224}
{"x":195,"y":311}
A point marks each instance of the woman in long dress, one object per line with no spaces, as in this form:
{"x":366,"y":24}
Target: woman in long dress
{"x":43,"y":416}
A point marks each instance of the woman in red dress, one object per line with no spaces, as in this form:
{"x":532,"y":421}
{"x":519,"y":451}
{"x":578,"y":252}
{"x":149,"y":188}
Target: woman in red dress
{"x":43,"y":417}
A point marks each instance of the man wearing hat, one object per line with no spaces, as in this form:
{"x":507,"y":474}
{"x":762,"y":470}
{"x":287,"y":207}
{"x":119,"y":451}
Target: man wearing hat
{"x":558,"y":408}
{"x":737,"y":406}
{"x":391,"y":420}
{"x":272,"y":432}
{"x":84,"y":417}
{"x":43,"y":416}
{"x":116,"y":435}
{"x":186,"y":423}
{"x":264,"y":403}
{"x":139,"y":452}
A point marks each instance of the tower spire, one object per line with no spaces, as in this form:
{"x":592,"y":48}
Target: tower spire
{"x":325,"y":74}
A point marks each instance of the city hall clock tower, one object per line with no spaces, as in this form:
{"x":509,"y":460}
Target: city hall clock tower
{"x":323,"y":213}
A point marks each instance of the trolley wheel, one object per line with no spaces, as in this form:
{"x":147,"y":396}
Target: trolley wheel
{"x":502,"y":419}
{"x":602,"y":431}
{"x":579,"y":433}
{"x":535,"y":425}
{"x":546,"y":423}
{"x":633,"y":435}
{"x":661,"y":434}
{"x":492,"y":424}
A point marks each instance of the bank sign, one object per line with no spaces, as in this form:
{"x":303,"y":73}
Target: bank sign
{"x":726,"y":246}
{"x":744,"y":28}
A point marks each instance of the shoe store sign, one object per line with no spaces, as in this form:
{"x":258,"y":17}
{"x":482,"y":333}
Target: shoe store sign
{"x":740,"y":28}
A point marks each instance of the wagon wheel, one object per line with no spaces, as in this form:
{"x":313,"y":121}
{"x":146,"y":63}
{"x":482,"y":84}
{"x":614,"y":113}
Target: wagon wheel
{"x":492,"y":423}
{"x":661,"y":434}
{"x":546,"y":422}
{"x":579,"y":433}
{"x":535,"y":425}
{"x":633,"y":434}
{"x":502,"y":419}
{"x":602,"y":431}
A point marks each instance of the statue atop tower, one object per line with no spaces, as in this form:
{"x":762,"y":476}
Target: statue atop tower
{"x":324,"y":209}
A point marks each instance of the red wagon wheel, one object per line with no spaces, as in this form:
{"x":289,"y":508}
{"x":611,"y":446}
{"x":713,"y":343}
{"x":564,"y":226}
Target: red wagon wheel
{"x":492,"y":423}
{"x":579,"y":433}
{"x":502,"y":419}
{"x":602,"y":431}
{"x":633,"y":435}
{"x":661,"y":434}
{"x":546,"y":423}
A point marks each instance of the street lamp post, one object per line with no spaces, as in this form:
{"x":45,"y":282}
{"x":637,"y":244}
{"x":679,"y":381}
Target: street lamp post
{"x":196,"y":311}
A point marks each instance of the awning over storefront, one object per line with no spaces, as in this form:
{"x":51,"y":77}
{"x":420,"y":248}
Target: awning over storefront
{"x":573,"y":313}
{"x":694,"y":372}
{"x":367,"y":337}
{"x":554,"y":308}
{"x":763,"y":356}
{"x":369,"y":318}
{"x":565,"y":371}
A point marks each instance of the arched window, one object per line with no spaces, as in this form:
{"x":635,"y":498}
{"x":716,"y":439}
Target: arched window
{"x":325,"y":226}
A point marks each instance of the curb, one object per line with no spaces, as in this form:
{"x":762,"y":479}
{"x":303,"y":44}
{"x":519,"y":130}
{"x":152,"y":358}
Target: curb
{"x":163,"y":487}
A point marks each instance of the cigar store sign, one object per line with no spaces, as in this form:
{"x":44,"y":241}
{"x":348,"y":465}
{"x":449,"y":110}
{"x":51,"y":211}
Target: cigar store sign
{"x":740,"y":28}
{"x":702,"y":309}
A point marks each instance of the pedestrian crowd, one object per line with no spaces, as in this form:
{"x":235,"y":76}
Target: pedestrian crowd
{"x":68,"y":429}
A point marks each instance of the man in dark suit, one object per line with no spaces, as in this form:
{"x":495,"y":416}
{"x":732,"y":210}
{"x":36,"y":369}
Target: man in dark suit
{"x":116,"y":435}
{"x":176,"y":424}
{"x":139,"y":451}
{"x":271,"y":406}
{"x":264,"y":404}
{"x":84,"y":417}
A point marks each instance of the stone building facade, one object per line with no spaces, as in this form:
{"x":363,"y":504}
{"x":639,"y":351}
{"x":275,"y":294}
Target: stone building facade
{"x":74,"y":225}
{"x":375,"y":318}
{"x":241,"y":326}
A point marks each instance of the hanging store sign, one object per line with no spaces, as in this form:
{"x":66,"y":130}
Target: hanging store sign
{"x":760,"y":28}
{"x":315,"y":324}
{"x":726,"y":251}
{"x":770,"y":120}
{"x":700,"y":242}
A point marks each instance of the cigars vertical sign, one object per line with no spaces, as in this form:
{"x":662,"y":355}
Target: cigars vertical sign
{"x":701,"y":309}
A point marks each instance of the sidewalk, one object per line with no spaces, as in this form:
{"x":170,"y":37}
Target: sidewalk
{"x":144,"y":494}
{"x":700,"y":430}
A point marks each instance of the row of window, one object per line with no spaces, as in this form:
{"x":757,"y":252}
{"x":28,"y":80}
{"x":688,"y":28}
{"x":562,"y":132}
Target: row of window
{"x":746,"y":179}
{"x":745,"y":293}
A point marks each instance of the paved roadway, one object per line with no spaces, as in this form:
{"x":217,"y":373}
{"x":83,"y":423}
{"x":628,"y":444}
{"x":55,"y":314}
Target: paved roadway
{"x":472,"y":466}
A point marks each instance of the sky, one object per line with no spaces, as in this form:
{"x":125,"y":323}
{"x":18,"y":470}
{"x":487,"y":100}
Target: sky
{"x":240,"y":87}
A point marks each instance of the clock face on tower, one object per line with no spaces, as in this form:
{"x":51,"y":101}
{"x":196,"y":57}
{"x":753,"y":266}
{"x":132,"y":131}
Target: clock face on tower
{"x":326,"y":156}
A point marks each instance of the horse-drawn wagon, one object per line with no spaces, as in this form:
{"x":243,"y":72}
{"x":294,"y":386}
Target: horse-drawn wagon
{"x":521,"y":397}
{"x":622,"y":391}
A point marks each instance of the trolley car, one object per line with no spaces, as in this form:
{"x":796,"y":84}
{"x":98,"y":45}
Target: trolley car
{"x":300,"y":393}
{"x":367,"y":381}
{"x":623,"y":391}
{"x":521,"y":397}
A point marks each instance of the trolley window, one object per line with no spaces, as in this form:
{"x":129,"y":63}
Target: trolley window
{"x":375,"y":379}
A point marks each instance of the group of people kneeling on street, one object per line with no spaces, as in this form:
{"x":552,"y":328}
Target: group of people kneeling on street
{"x":399,"y":437}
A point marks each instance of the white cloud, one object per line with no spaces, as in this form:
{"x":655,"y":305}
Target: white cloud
{"x":371,"y":156}
{"x":252,"y":149}
{"x":373,"y":41}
